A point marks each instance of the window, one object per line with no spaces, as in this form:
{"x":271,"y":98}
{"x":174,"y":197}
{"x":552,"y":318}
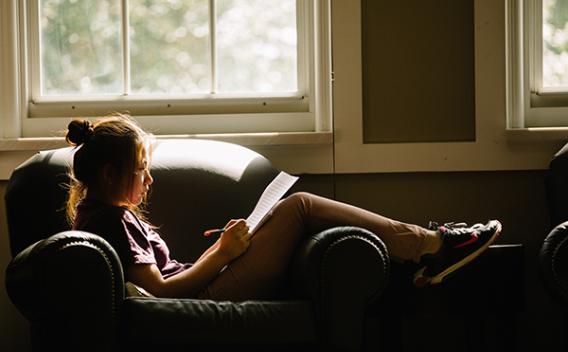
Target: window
{"x":179,"y":66}
{"x":537,"y":57}
{"x":554,"y":68}
{"x":138,"y":47}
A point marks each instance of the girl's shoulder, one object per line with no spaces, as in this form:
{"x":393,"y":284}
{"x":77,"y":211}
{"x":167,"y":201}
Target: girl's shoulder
{"x":93,"y":211}
{"x":93,"y":206}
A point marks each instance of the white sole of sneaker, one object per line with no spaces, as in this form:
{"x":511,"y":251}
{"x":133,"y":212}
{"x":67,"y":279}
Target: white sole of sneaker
{"x":421,"y":280}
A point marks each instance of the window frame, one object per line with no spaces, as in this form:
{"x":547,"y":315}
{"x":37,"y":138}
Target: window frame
{"x":529,"y":105}
{"x":307,"y":111}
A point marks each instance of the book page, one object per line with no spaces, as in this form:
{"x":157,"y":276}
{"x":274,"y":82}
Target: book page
{"x":271,"y":195}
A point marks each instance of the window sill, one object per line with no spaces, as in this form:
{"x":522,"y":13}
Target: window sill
{"x":534,"y":134}
{"x":246,"y":139}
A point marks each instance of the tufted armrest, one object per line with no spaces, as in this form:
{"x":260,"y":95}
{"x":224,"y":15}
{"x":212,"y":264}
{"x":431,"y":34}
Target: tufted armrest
{"x":553,"y":259}
{"x":343,"y":270}
{"x":70,"y":287}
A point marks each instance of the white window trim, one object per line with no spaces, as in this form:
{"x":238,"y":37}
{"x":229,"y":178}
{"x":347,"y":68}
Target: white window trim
{"x":311,"y":114}
{"x":524,"y":73}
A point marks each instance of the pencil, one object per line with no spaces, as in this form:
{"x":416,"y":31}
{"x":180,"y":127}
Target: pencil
{"x":212,"y":232}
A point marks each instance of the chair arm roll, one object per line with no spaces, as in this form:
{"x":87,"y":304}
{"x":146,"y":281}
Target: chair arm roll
{"x":70,"y":286}
{"x":553,"y":263}
{"x":343,"y":271}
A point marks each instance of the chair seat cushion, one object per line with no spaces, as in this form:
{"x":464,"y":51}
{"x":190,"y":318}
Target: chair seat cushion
{"x":191,"y":321}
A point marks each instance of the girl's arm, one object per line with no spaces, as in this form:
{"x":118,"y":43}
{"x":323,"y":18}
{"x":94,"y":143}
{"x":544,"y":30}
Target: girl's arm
{"x":190,"y":282}
{"x":213,"y":247}
{"x":185,"y":284}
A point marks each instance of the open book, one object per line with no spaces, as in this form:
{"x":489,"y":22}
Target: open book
{"x":271,"y":195}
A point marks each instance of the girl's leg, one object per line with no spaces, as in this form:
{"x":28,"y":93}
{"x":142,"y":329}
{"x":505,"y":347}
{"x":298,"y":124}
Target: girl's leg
{"x":260,"y":270}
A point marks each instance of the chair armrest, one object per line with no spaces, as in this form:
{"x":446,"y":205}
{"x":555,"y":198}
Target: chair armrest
{"x":343,"y":271}
{"x":553,"y":263}
{"x":70,"y":287}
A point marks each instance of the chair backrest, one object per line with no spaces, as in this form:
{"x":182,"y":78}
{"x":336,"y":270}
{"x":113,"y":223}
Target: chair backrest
{"x":557,"y":187}
{"x":198,"y":184}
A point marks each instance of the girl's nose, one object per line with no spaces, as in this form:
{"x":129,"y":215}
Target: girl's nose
{"x":148,"y":179}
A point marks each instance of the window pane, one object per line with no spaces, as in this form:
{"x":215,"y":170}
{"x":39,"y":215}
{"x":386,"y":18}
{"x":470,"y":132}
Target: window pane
{"x":555,"y":43}
{"x":256,"y":45}
{"x":169,"y":46}
{"x":81,"y":51}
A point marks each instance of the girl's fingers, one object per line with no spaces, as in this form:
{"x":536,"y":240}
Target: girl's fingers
{"x":241,"y":224}
{"x":231,"y":223}
{"x":237,"y":223}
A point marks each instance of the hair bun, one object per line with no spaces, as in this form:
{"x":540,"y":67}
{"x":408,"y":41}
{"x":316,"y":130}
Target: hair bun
{"x":79,"y":132}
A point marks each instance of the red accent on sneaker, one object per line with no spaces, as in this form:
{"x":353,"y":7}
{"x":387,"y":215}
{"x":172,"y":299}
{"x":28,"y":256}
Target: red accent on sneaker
{"x":473,"y":239}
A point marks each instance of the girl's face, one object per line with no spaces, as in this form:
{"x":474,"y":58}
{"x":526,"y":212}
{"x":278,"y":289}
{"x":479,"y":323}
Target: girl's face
{"x":141,"y":181}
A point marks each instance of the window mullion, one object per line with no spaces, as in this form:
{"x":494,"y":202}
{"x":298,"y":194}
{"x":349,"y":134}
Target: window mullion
{"x":536,"y":41}
{"x":212,"y":49}
{"x":34,"y":49}
{"x":515,"y":69}
{"x":320,"y":89}
{"x":125,"y":38}
{"x":302,"y":39}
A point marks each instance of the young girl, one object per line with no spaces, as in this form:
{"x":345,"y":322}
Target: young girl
{"x":111,"y":178}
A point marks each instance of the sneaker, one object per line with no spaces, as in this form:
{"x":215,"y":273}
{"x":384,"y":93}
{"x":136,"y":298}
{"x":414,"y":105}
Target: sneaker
{"x":461,"y":244}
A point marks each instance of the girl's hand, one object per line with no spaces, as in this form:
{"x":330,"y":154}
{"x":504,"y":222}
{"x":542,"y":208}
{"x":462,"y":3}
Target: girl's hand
{"x":235,"y":240}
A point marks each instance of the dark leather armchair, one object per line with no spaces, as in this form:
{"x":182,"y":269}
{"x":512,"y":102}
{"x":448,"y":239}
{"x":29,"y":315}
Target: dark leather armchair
{"x":70,"y":284}
{"x":554,"y":251}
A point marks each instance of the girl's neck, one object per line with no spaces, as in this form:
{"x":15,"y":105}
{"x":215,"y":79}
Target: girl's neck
{"x":102,"y":197}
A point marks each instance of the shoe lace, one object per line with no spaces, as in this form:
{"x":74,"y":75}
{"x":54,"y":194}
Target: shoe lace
{"x":432,"y":225}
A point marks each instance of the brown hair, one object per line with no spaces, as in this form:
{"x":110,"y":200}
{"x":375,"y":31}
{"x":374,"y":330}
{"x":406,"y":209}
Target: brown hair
{"x":115,"y":140}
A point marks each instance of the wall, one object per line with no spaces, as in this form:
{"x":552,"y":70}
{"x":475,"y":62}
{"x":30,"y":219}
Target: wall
{"x":354,"y":94}
{"x":408,"y":49}
{"x":379,"y":99}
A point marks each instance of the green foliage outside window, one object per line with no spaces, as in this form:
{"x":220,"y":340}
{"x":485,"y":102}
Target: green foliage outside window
{"x":169,"y":40}
{"x":555,"y":44}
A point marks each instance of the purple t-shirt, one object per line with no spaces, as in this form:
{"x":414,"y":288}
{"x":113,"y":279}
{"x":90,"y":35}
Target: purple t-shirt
{"x":133,"y":239}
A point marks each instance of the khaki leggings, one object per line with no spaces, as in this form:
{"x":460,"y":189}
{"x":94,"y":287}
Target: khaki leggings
{"x":259,"y":271}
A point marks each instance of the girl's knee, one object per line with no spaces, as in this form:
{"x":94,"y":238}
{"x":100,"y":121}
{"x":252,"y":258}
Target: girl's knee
{"x":299,"y":197}
{"x":298,"y":201}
